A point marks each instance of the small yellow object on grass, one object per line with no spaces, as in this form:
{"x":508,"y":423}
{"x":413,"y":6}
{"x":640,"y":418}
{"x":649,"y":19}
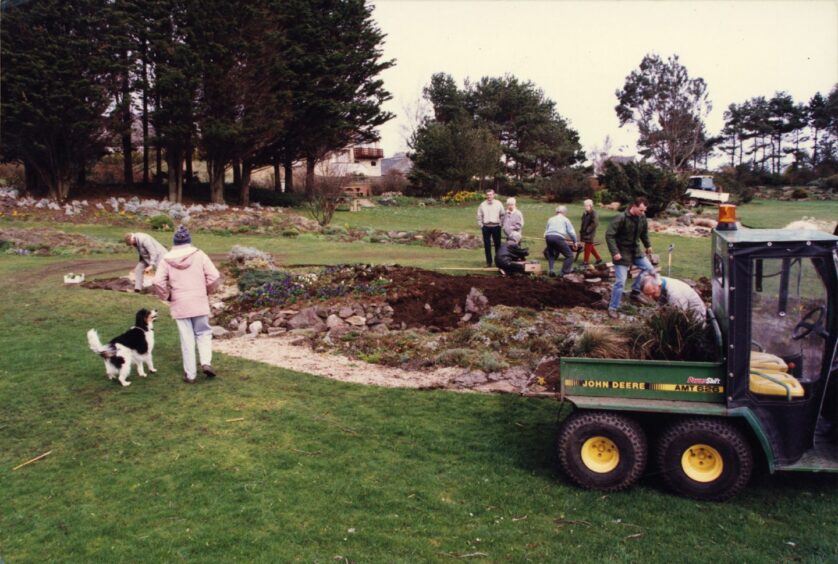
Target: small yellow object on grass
{"x":36,"y":459}
{"x":235,"y":419}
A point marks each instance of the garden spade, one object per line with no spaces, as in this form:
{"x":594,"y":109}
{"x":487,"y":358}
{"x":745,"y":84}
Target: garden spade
{"x":669,"y":260}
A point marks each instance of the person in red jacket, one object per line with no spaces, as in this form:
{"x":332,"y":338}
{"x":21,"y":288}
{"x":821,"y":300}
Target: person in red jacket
{"x":185,"y":277}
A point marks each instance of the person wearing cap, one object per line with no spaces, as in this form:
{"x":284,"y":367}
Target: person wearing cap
{"x":625,"y":233}
{"x":490,"y":215}
{"x":150,"y":252}
{"x":558,"y":233}
{"x":673,"y":292}
{"x":513,"y":219}
{"x":511,"y":257}
{"x":587,"y":232}
{"x":185,"y":279}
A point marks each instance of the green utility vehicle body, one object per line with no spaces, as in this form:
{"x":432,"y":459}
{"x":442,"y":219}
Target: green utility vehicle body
{"x":775,"y":296}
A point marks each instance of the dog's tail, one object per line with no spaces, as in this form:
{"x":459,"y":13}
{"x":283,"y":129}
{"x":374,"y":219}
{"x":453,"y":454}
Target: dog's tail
{"x":96,"y":345}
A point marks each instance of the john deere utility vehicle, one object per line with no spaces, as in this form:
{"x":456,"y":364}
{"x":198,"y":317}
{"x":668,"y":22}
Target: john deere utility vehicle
{"x":773,"y":396}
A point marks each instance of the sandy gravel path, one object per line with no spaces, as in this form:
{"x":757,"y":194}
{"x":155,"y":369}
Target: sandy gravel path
{"x":278,"y":351}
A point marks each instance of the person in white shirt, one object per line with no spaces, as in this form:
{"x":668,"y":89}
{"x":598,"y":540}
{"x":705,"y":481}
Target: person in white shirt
{"x":673,"y":292}
{"x":513,"y":221}
{"x":490,"y":216}
{"x":557,"y":235}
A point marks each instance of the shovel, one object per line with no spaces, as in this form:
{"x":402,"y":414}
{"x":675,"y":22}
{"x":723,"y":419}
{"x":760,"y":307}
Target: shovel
{"x":669,"y":260}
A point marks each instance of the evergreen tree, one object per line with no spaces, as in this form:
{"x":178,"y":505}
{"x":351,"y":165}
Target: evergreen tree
{"x":175,"y":81}
{"x":668,"y":108}
{"x":54,"y":88}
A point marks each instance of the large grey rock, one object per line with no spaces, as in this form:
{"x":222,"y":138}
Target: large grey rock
{"x":345,"y":312}
{"x":379,"y":329}
{"x":255,"y":328}
{"x":307,"y":319}
{"x":470,"y":379}
{"x":476,"y":302}
{"x":685,"y":219}
{"x":334,"y":322}
{"x":219,"y":332}
{"x":356,"y":320}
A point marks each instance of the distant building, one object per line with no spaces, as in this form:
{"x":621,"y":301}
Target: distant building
{"x":357,"y":160}
{"x":600,"y":160}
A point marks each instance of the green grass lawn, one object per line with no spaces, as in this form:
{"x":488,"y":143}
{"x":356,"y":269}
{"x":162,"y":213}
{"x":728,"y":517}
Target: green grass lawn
{"x":154,"y":472}
{"x":320,"y":470}
{"x":691,"y":256}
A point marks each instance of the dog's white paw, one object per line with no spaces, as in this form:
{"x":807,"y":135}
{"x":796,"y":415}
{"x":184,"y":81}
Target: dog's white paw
{"x":153,"y":370}
{"x":125,"y":384}
{"x":142,"y":374}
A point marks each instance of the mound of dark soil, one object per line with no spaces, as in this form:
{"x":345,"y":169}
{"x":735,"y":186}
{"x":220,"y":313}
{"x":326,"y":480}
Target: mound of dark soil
{"x":413,"y":288}
{"x":116,"y":284}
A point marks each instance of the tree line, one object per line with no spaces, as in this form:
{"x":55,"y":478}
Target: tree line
{"x":669,"y":109}
{"x":491,"y":130}
{"x":245,"y":84}
{"x":761,"y":133}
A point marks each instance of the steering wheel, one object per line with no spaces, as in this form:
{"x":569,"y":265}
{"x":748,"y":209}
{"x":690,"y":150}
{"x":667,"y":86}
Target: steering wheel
{"x":806,"y":325}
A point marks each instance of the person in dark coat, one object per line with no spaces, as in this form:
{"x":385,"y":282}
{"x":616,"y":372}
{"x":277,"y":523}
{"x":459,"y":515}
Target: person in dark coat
{"x":624,"y":236}
{"x":511,"y":257}
{"x":587,"y":232}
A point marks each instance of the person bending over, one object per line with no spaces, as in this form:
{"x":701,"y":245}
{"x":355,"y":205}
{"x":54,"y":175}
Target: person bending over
{"x":673,"y":292}
{"x":150,"y":251}
{"x":511,"y":257}
{"x":558,"y":233}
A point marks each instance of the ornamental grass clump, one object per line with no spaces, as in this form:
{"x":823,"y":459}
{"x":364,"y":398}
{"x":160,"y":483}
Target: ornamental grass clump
{"x":672,"y":334}
{"x":597,"y":341}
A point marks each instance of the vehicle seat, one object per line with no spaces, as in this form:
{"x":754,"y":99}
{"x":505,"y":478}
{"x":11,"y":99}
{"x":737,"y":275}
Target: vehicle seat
{"x":769,"y":377}
{"x":768,"y":361}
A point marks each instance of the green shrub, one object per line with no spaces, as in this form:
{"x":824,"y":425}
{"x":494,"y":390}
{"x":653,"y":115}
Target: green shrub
{"x":456,"y":357}
{"x":799,"y":193}
{"x":254,"y":278}
{"x":564,"y":186}
{"x":276,"y":199}
{"x":291,"y":233}
{"x":334,"y":230}
{"x":489,"y":362}
{"x":162,"y":223}
{"x":658,"y":186}
{"x":831,"y":182}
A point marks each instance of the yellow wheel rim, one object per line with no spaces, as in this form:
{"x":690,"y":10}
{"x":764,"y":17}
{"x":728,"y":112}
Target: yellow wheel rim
{"x":600,"y":454}
{"x":702,"y":463}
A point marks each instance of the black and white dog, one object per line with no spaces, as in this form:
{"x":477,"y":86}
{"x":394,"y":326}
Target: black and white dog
{"x":133,"y":346}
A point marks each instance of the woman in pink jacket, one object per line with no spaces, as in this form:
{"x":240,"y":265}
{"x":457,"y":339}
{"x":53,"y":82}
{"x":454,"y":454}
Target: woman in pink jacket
{"x":185,"y":278}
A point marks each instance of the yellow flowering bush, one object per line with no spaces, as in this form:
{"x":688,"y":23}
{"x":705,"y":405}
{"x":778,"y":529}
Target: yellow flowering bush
{"x":461,"y":197}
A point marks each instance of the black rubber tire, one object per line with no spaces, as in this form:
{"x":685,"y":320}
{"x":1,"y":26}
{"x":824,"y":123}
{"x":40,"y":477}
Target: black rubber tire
{"x":626,"y":434}
{"x":730,"y":442}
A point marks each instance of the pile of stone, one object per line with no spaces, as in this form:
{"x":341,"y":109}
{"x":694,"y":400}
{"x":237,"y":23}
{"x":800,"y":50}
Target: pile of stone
{"x":330,"y":321}
{"x":434,"y":238}
{"x":686,"y":224}
{"x":444,"y":240}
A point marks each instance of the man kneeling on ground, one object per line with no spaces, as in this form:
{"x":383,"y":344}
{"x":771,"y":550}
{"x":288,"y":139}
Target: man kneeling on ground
{"x":511,"y":257}
{"x":673,"y":292}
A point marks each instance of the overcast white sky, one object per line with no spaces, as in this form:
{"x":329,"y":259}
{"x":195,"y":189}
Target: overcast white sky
{"x":579,"y":53}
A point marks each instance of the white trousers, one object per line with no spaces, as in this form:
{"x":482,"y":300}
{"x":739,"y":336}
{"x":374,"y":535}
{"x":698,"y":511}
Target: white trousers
{"x":139,"y":273}
{"x":192,"y":330}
